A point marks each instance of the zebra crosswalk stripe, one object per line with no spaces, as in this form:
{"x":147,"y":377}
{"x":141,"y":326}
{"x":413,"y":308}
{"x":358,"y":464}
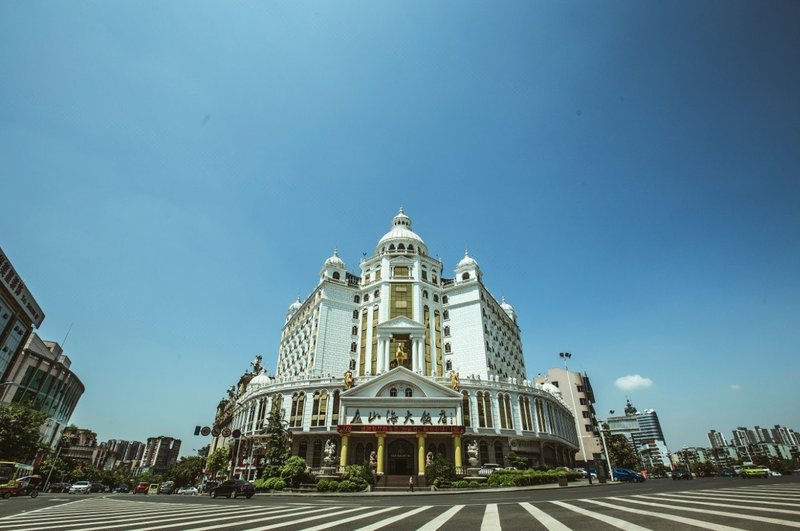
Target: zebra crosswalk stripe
{"x":269,"y":516}
{"x":709,"y":511}
{"x":616,"y":522}
{"x":545,"y":519}
{"x":171,"y":520}
{"x":440,"y":520}
{"x":724,"y":498}
{"x":302,"y":520}
{"x":491,"y":518}
{"x":350,"y":519}
{"x":666,"y":516}
{"x":393,"y":519}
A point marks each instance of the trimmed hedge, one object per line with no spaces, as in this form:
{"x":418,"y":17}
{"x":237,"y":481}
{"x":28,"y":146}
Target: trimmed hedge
{"x":524,"y":478}
{"x":269,"y":484}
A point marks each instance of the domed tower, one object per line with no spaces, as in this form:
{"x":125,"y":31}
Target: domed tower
{"x":509,"y":310}
{"x":334,"y":268}
{"x":401,"y":239}
{"x":468,"y":269}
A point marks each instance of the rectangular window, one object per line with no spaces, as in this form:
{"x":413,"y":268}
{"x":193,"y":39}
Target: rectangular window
{"x":401,"y":271}
{"x":362,"y":355}
{"x":584,"y":402}
{"x":373,"y":366}
{"x":586,"y":414}
{"x":424,"y":275}
{"x":378,"y":274}
{"x":588,"y":428}
{"x":401,"y":301}
{"x":580,"y":388}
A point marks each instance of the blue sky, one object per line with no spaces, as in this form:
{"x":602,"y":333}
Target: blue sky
{"x":626,"y":174}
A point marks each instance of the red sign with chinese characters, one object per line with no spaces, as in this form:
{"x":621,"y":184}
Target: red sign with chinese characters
{"x":370,"y":428}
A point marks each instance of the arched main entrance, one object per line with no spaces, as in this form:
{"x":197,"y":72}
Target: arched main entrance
{"x":401,"y":458}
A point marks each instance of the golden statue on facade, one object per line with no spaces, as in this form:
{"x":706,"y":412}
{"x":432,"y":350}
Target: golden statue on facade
{"x":454,"y":380}
{"x":348,"y":379}
{"x":400,"y":355}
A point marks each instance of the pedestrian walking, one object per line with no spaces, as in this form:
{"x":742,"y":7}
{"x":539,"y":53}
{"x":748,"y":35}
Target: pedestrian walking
{"x":411,"y":483}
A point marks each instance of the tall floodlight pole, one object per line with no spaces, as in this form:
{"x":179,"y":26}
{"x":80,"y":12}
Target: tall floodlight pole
{"x":566,"y":356}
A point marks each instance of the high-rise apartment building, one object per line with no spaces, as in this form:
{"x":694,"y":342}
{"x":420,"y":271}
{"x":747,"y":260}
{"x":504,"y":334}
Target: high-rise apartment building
{"x":716,"y":439}
{"x":577,"y":392}
{"x":160,"y":453}
{"x":19,"y":315}
{"x":643,"y":430}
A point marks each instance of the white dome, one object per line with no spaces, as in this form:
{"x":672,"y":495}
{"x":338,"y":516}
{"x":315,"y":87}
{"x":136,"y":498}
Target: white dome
{"x":552,"y":389}
{"x":401,"y":233}
{"x":296,"y":305}
{"x":260,"y":379}
{"x":467,"y":262}
{"x":506,"y":306}
{"x":335,"y":261}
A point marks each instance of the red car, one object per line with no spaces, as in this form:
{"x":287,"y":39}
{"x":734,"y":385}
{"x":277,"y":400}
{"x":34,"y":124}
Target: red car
{"x":141,"y":487}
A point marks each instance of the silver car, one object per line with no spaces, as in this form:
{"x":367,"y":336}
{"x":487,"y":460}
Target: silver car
{"x":81,"y":487}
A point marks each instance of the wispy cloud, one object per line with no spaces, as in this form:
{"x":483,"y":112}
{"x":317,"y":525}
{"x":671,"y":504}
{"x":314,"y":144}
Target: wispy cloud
{"x":736,"y":387}
{"x":633,"y":382}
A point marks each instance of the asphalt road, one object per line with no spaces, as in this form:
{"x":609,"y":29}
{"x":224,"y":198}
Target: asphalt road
{"x":576,"y":490}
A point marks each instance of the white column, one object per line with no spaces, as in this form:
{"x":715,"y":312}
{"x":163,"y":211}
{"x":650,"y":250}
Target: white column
{"x":379,"y":354}
{"x":414,"y":355}
{"x":387,"y":345}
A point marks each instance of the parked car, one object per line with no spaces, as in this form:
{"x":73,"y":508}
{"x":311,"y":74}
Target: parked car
{"x":681,"y":474}
{"x":586,"y":473}
{"x":748,"y":472}
{"x":728,"y":473}
{"x":98,"y":487}
{"x":59,"y":487}
{"x":187,"y":490}
{"x":626,"y":474}
{"x":123,"y":488}
{"x":81,"y":487}
{"x":141,"y":487}
{"x":167,"y":487}
{"x":775,"y":473}
{"x":235,"y":488}
{"x":487,"y":469}
{"x":22,"y":486}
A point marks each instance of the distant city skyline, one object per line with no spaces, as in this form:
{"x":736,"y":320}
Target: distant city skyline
{"x":624,"y":173}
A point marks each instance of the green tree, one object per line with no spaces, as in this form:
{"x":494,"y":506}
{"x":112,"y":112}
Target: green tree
{"x":19,"y":432}
{"x":517,"y":461}
{"x":187,"y":471}
{"x":293,"y":471}
{"x":441,"y":469}
{"x":219,"y":460}
{"x":277,"y":447}
{"x":621,"y":453}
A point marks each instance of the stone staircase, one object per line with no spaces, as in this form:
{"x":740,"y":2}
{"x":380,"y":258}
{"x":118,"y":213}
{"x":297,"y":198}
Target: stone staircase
{"x":399,"y":483}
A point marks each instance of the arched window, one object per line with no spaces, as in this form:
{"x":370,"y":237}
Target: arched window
{"x":391,"y":248}
{"x":377,"y":293}
{"x":352,"y":364}
{"x":525,"y":413}
{"x":446,"y":345}
{"x":509,"y":413}
{"x":498,"y":453}
{"x":465,"y":410}
{"x":355,"y":314}
{"x":487,"y":406}
{"x":392,"y":392}
{"x":335,"y":409}
{"x":484,"y":447}
{"x":409,"y":392}
{"x":366,"y":297}
{"x":410,"y":248}
{"x":302,"y":450}
{"x":316,"y":458}
{"x":435,"y":298}
{"x":424,"y":294}
{"x":277,"y":402}
{"x":444,"y":299}
{"x":446,"y":331}
{"x":320,"y":408}
{"x":356,"y":299}
{"x":445,"y":315}
{"x":355,"y":330}
{"x":336,"y":275}
{"x":353,"y":346}
{"x":501,"y":409}
{"x":481,"y":410}
{"x":465,"y":276}
{"x":448,"y":365}
{"x":298,"y":403}
{"x":401,"y":247}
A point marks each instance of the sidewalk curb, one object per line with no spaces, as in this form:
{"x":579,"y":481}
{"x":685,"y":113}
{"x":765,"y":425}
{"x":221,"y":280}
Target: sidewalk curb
{"x":429,"y":492}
